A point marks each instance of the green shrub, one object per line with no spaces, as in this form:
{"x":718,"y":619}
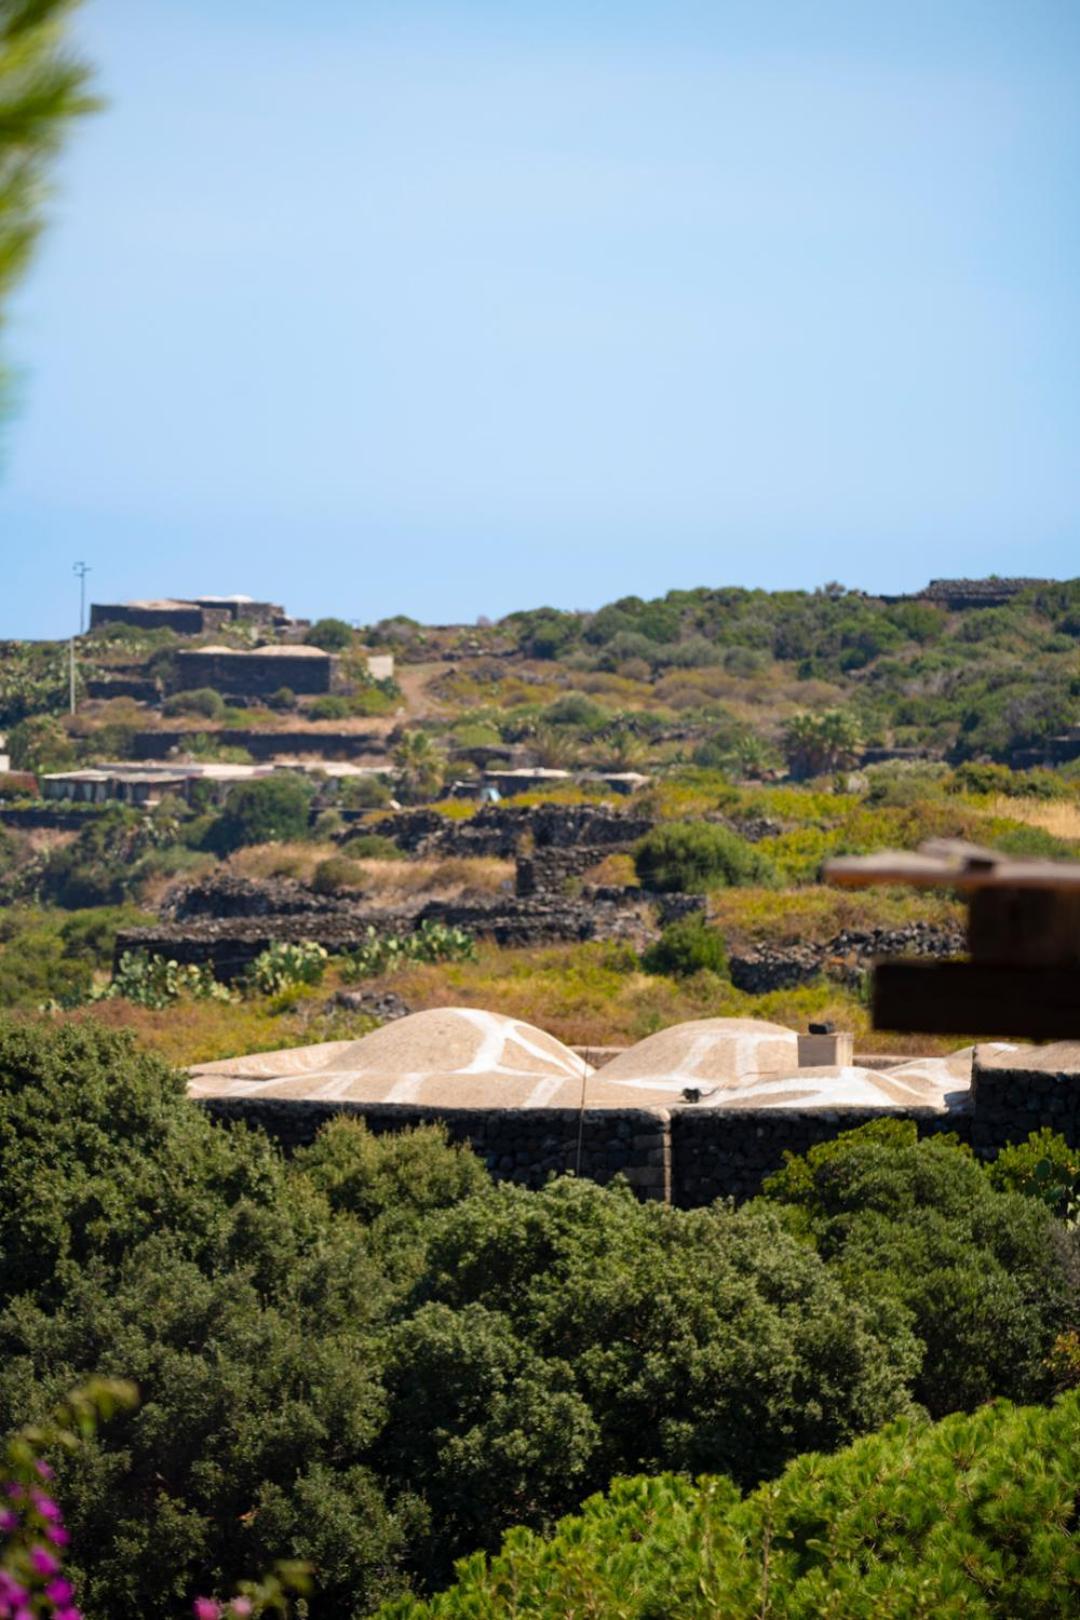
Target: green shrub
{"x":282,"y":700}
{"x":328,"y":824}
{"x":203,"y":701}
{"x":686,"y":947}
{"x":335,"y":874}
{"x":332,"y":635}
{"x":365,"y":793}
{"x":262,"y":811}
{"x":692,"y":857}
{"x":1043,"y":1167}
{"x":921,"y":1224}
{"x":974,"y":1516}
{"x":372,"y":847}
{"x":333,"y":706}
{"x":40,"y":743}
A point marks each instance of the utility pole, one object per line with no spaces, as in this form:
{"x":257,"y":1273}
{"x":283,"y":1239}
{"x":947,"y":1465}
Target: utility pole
{"x":82,"y":569}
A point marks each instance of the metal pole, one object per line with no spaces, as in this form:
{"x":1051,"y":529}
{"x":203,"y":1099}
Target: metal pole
{"x":82,"y":569}
{"x":71,"y":674}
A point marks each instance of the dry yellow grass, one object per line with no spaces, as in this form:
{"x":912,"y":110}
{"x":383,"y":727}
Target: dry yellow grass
{"x":385,"y":882}
{"x":1059,"y":817}
{"x":297,"y":860}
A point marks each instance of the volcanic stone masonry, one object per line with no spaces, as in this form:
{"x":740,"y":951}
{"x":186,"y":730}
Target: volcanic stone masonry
{"x":689,"y":1156}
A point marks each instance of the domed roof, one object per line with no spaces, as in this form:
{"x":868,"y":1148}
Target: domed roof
{"x":706,"y":1053}
{"x":453,"y":1056}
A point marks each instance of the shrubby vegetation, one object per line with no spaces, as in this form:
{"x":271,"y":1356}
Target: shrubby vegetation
{"x":372,"y":1359}
{"x":975,"y":1516}
{"x":686,"y":947}
{"x":693,"y":857}
{"x":428,"y":942}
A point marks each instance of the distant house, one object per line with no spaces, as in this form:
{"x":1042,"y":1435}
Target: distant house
{"x":189,"y":616}
{"x":380,"y":666}
{"x":260,"y":673}
{"x":143,"y":784}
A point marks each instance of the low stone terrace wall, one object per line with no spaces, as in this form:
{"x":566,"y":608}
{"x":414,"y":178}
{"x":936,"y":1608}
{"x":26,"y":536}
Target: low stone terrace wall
{"x":263,"y":745}
{"x":230,"y":944}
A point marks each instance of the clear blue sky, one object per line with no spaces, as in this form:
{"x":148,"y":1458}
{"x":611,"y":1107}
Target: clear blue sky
{"x":457,"y":307}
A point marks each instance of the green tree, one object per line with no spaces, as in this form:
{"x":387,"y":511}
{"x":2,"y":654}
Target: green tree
{"x":40,"y":743}
{"x":815,"y":744}
{"x":981,"y":1273}
{"x":975,"y":1517}
{"x":332,"y":635}
{"x":420,"y":768}
{"x":264,"y":810}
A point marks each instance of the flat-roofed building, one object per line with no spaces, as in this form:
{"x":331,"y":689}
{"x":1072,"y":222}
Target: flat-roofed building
{"x":260,"y":673}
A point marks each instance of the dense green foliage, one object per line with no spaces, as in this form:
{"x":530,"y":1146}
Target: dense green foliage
{"x":922,"y":1224}
{"x":265,"y":808}
{"x":973,"y":1517}
{"x":695,"y":856}
{"x":372,"y":1358}
{"x":332,"y":635}
{"x":685,"y":947}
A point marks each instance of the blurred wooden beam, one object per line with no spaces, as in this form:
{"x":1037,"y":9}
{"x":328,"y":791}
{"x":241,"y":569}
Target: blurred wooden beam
{"x":966,"y":998}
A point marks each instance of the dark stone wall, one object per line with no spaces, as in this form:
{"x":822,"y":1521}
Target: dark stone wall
{"x":505,"y":830}
{"x":845,"y":957}
{"x":263,"y":745}
{"x":687,"y":1156}
{"x":1008,"y":1104}
{"x":187,"y":619}
{"x":727,"y":1153}
{"x":520,"y":1145}
{"x":253,"y":675}
{"x":230,"y":943}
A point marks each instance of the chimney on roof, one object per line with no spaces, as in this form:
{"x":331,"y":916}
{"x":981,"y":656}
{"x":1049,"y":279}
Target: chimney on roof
{"x":826,"y":1048}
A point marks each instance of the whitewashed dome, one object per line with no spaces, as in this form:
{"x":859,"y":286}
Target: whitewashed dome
{"x":446,"y":1055}
{"x":705,"y":1054}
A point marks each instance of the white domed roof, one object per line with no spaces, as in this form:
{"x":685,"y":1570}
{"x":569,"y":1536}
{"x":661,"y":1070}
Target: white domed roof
{"x":453,"y":1056}
{"x":707,"y":1053}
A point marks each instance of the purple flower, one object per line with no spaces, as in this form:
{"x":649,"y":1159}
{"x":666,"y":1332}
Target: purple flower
{"x":8,"y":1521}
{"x":44,"y":1562}
{"x":206,"y":1609}
{"x":43,"y":1469}
{"x":57,"y":1535}
{"x":16,"y":1491}
{"x":60,"y":1592}
{"x":46,"y":1506}
{"x":240,"y":1607}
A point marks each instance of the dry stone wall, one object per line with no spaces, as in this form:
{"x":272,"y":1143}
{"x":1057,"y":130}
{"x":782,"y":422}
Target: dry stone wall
{"x":525,"y":1146}
{"x":688,"y":1156}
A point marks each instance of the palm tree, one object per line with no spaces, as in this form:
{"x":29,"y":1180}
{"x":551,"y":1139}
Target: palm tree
{"x":815,"y":744}
{"x":42,"y":88}
{"x":420,"y":767}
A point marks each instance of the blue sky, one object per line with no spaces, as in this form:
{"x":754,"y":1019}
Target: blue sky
{"x":454,"y":308}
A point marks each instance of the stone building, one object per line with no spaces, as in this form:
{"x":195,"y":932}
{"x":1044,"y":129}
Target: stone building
{"x":307,"y":671}
{"x":188,"y":616}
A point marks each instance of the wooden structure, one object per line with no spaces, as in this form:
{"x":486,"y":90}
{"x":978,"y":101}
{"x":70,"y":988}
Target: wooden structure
{"x":1022,"y":975}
